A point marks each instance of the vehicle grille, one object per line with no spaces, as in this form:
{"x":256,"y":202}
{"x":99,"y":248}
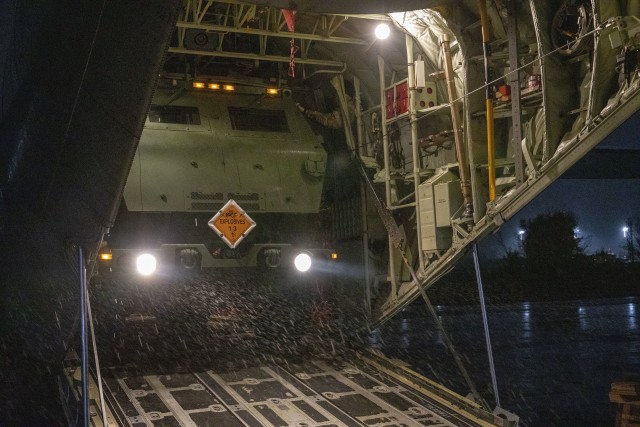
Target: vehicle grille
{"x":200,"y":206}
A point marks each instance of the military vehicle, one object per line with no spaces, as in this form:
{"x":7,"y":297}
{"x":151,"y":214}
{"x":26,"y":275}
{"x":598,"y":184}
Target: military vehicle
{"x":494,"y":105}
{"x":462,"y":116}
{"x":210,"y":145}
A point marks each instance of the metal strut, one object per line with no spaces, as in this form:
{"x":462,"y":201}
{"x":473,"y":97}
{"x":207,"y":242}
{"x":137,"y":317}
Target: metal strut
{"x":445,"y":337}
{"x":485,"y":323}
{"x":96,"y":360}
{"x":83,"y":337}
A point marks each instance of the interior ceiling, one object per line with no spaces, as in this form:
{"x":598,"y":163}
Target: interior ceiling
{"x":227,"y":38}
{"x":355,"y":7}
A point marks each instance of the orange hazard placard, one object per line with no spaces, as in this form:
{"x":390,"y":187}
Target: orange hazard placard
{"x":231,"y":223}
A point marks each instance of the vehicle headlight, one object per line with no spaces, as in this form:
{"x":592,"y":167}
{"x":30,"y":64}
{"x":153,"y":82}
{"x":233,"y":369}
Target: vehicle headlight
{"x":302,"y":261}
{"x":146,"y":264}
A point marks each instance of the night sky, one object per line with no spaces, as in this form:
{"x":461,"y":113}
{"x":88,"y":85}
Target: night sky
{"x":601,"y":205}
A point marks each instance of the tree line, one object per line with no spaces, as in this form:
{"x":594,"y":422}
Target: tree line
{"x":553,"y":239}
{"x":548,"y":263}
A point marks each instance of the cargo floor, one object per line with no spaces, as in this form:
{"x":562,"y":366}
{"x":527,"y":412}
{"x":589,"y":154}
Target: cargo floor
{"x":367,"y":390}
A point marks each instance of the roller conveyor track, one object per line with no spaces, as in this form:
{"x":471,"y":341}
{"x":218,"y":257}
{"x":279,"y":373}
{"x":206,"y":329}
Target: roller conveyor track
{"x":366,"y":390}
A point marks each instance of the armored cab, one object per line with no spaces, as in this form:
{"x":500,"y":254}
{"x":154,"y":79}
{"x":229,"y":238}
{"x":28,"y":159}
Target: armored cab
{"x":205,"y":145}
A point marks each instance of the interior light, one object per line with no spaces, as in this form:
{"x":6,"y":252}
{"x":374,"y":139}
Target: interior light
{"x":214,"y":86}
{"x":229,"y":87}
{"x":302,"y":262}
{"x":382,"y":31}
{"x":146,"y":264}
{"x":198,"y":85}
{"x":105,"y":256}
{"x":272,"y":91}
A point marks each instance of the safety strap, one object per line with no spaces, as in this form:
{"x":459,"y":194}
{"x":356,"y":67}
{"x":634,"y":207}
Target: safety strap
{"x":289,"y":14}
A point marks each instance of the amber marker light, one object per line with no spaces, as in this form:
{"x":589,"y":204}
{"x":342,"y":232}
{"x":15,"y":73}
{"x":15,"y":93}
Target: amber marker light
{"x":198,"y":85}
{"x":228,"y":88}
{"x":272,"y":91}
{"x":106,"y":256}
{"x":334,"y":255}
{"x":214,"y":86}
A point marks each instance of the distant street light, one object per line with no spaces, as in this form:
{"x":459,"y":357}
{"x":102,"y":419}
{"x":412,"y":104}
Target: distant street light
{"x":521,"y":234}
{"x":625,"y":230}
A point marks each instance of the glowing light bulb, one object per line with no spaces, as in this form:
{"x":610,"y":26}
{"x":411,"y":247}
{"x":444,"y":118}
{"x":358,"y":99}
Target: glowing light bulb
{"x":382,"y":31}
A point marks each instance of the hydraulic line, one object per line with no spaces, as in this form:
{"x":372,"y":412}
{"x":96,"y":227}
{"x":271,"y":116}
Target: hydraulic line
{"x":485,"y":323}
{"x":461,"y":153}
{"x":491,"y":167}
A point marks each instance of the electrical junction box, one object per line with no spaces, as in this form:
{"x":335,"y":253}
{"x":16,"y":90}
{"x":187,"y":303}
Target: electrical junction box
{"x":440,"y":199}
{"x":448,"y":200}
{"x":426,"y":96}
{"x":397,"y":99}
